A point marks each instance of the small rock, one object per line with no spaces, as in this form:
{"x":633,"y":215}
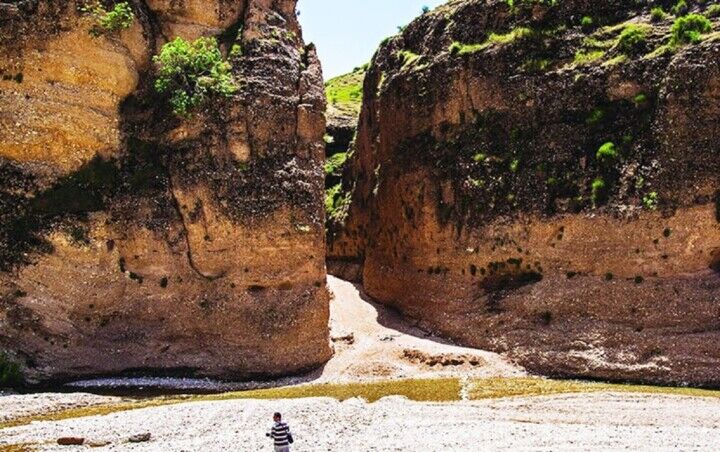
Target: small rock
{"x":142,"y":438}
{"x":98,"y":443}
{"x":71,"y":441}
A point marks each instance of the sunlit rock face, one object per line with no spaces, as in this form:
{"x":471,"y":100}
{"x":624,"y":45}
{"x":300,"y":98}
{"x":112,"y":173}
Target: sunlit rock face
{"x":133,"y":241}
{"x":483,"y":207}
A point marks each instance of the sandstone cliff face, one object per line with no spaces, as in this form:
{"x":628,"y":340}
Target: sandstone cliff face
{"x":474,"y":210}
{"x":132,"y":241}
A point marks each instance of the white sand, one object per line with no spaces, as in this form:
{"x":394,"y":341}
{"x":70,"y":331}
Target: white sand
{"x":566,"y":422}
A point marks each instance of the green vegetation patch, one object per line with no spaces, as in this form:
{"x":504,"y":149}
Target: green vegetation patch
{"x":118,"y":18}
{"x":607,"y":153}
{"x":337,"y":203}
{"x":517,"y":34}
{"x":408,"y":58}
{"x":430,"y":390}
{"x":346,"y":91}
{"x":583,"y":57}
{"x":657,"y":14}
{"x":633,"y":39}
{"x":689,"y":29}
{"x":651,"y":201}
{"x":494,"y":388}
{"x":440,"y":390}
{"x":599,"y":191}
{"x":714,"y":10}
{"x":335,"y":163}
{"x":189,"y":72}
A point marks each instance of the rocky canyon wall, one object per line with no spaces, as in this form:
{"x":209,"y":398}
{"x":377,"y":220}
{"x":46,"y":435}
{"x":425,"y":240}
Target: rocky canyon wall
{"x":542,"y":180}
{"x":136,"y":241}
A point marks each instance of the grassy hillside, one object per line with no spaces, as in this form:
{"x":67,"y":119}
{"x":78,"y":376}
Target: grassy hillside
{"x":344,"y":93}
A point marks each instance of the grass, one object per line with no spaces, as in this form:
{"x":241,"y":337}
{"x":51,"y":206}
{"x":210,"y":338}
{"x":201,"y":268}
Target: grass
{"x":346,"y":91}
{"x":23,"y":447}
{"x":586,"y":57}
{"x":432,"y":390}
{"x":440,"y":390}
{"x":335,"y":163}
{"x":458,"y":48}
{"x":408,"y":58}
{"x":689,"y":29}
{"x":495,"y":388}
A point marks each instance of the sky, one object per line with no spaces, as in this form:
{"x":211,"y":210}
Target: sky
{"x":347,"y":32}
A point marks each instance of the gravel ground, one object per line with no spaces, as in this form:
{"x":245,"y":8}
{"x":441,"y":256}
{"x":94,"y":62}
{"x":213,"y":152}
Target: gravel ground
{"x":15,"y":406}
{"x":601,"y":421}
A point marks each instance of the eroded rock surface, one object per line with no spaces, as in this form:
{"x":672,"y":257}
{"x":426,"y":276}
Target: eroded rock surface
{"x":476,"y":201}
{"x":132,"y":241}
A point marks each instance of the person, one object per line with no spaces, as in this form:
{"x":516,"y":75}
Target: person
{"x":280,"y":434}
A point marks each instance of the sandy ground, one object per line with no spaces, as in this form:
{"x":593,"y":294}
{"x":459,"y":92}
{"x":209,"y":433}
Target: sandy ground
{"x":373,"y":343}
{"x":567,"y":422}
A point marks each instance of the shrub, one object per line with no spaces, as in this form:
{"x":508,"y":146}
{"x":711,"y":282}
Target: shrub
{"x":598,"y":191}
{"x":688,"y":29}
{"x":586,"y":22}
{"x":657,"y":14}
{"x":607,"y":153}
{"x":190,"y":72}
{"x":337,"y":203}
{"x":480,"y":157}
{"x":632,"y":39}
{"x":120,"y":17}
{"x":714,"y":10}
{"x":650,"y":201}
{"x":640,"y":99}
{"x":335,"y":163}
{"x":680,"y":8}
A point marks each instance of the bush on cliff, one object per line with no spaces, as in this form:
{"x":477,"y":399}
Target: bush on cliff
{"x":599,"y":191}
{"x":632,"y":39}
{"x":190,"y":72}
{"x":688,"y":29}
{"x":120,"y":17}
{"x":657,"y":14}
{"x":607,"y":153}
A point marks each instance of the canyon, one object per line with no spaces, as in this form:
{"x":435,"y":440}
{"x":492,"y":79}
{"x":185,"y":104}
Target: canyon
{"x":537,"y":179}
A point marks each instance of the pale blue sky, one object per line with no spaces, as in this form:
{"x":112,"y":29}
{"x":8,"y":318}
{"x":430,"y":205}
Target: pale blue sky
{"x":347,"y":32}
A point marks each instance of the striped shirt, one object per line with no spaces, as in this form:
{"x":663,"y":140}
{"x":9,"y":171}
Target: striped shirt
{"x":279,"y":433}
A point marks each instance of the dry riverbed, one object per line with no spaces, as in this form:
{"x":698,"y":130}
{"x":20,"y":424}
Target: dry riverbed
{"x":598,"y":421}
{"x":389,"y":387}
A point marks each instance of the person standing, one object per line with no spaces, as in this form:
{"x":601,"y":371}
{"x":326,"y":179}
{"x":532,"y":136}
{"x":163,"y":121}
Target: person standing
{"x":280,"y":434}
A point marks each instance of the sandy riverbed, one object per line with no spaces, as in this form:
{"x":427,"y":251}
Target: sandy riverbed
{"x":567,"y":422}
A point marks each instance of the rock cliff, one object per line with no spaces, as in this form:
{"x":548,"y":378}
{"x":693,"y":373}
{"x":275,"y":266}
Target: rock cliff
{"x":136,"y":241}
{"x":540,"y":178}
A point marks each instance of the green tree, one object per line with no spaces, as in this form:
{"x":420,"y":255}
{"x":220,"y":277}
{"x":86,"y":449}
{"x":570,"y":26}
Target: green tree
{"x":190,"y":72}
{"x":120,"y":17}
